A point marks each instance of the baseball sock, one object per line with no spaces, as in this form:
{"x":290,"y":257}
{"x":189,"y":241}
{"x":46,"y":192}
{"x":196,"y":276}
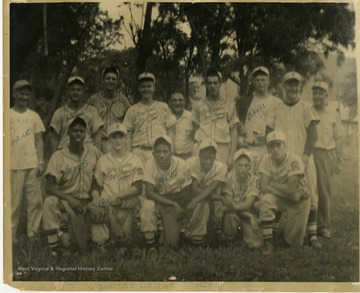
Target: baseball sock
{"x":52,"y":238}
{"x":312,"y":224}
{"x":267,"y":229}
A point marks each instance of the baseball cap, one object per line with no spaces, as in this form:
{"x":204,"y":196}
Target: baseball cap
{"x":208,"y":143}
{"x":146,"y":75}
{"x":110,"y":68}
{"x":275,"y":136}
{"x":77,"y":121}
{"x":261,"y":69}
{"x":242,"y":152}
{"x":166,"y":138}
{"x":322,"y":85}
{"x":20,"y":84}
{"x":77,"y":79}
{"x":292,"y":75}
{"x":117,"y":127}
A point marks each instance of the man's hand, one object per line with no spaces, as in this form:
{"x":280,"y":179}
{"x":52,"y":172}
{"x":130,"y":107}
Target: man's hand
{"x":180,"y":213}
{"x":228,"y":204}
{"x":75,"y":205}
{"x":40,"y":169}
{"x":98,"y":202}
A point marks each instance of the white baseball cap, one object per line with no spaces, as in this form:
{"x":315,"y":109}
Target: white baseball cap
{"x":77,"y":79}
{"x":292,"y":75}
{"x":322,"y":85}
{"x":261,"y":69}
{"x":242,"y":152}
{"x":275,"y":136}
{"x":117,"y":127}
{"x":208,"y":143}
{"x":20,"y":84}
{"x":146,"y":75}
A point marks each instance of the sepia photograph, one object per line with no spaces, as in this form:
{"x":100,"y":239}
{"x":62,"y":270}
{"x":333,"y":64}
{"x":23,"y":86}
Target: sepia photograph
{"x":164,"y":146}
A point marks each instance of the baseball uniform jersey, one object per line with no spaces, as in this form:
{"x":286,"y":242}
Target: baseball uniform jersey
{"x":74,"y":175}
{"x":65,"y":115}
{"x":111,"y":111}
{"x":184,"y":140}
{"x":148,"y":122}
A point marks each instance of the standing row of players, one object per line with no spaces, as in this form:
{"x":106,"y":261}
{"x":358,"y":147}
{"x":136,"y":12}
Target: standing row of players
{"x":212,"y":128}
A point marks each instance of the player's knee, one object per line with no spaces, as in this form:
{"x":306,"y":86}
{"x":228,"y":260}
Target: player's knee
{"x":50,"y":202}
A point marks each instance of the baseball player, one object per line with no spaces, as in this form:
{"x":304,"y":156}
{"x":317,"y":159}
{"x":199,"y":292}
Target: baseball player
{"x":242,"y":191}
{"x":27,"y":161}
{"x":147,"y":119}
{"x":208,"y":177}
{"x":184,"y":131}
{"x":327,"y":153}
{"x":110,"y":103}
{"x":119,"y":176}
{"x":76,"y":107}
{"x":69,"y":177}
{"x":215,"y":118}
{"x":297,"y":120}
{"x":284,"y":189}
{"x":252,"y":111}
{"x":167,"y":182}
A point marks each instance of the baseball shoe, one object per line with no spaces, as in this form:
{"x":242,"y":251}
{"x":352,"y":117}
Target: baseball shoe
{"x":314,"y":242}
{"x":268,"y":248}
{"x":325,"y":234}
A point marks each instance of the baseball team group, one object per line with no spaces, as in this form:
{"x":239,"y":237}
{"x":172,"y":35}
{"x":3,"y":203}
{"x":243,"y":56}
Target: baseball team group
{"x":251,"y":170}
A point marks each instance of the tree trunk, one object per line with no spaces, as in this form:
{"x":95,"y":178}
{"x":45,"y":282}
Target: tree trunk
{"x":45,"y":36}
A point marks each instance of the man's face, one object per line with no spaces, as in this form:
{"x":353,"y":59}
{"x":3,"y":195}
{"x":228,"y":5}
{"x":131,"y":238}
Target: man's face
{"x":76,"y":92}
{"x":261,"y":83}
{"x":146,"y":89}
{"x":319,"y":97}
{"x":110,"y":81}
{"x":292,"y":89}
{"x":77,"y":134}
{"x":118,"y":141}
{"x":177,"y":103}
{"x":242,"y":166}
{"x":162,"y":155}
{"x":213,"y":86}
{"x":207,"y":159}
{"x":22,"y":96}
{"x":276,"y":149}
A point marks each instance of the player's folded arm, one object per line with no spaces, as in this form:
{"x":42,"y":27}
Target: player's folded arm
{"x":245,"y":205}
{"x":289,"y":189}
{"x":184,"y":194}
{"x":208,"y":191}
{"x":151,"y":194}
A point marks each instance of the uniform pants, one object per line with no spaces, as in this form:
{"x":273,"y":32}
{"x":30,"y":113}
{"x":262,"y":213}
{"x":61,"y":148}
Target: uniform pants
{"x":197,"y":226}
{"x":56,"y":215}
{"x":296,"y":218}
{"x":26,"y":182}
{"x":310,"y":174}
{"x":121,"y":219}
{"x":324,"y":162}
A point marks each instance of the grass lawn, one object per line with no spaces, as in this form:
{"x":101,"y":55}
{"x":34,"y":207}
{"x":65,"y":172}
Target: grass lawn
{"x":338,"y":261}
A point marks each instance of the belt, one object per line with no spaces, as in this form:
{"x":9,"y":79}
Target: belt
{"x":144,"y":147}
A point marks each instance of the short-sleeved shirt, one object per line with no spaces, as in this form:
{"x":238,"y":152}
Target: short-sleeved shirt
{"x":216,"y":173}
{"x":184,"y":140}
{"x":23,"y":127}
{"x":74,"y":175}
{"x":329,"y":129}
{"x":115,"y":175}
{"x":111,"y":111}
{"x":65,"y":115}
{"x":255,"y":120}
{"x":239,"y":192}
{"x":170,"y":181}
{"x":293,"y":121}
{"x":215,"y":120}
{"x":148,"y":122}
{"x":291,"y":166}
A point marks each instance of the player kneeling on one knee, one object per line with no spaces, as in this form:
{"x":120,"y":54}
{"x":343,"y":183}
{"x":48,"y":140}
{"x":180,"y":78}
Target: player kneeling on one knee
{"x":69,"y":177}
{"x":167,"y":188}
{"x":118,"y":175}
{"x":239,"y":201}
{"x":285,"y":189}
{"x":208,"y":177}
